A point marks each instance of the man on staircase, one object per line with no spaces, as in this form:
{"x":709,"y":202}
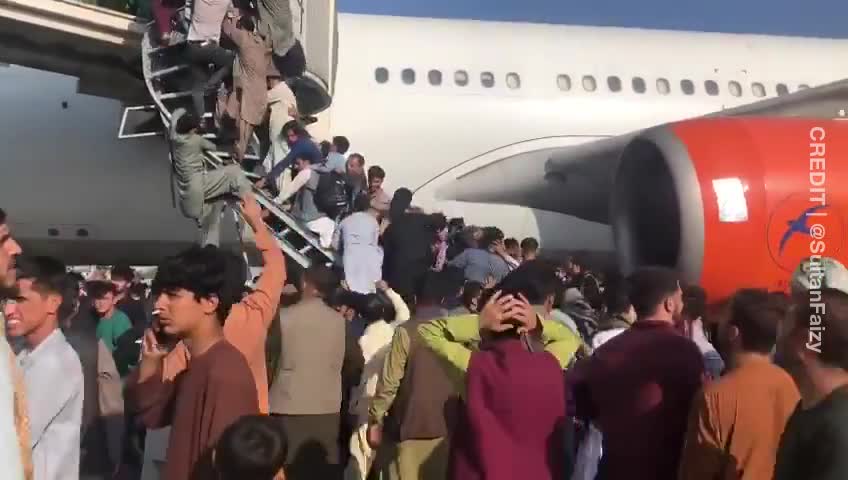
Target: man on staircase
{"x":203,"y":193}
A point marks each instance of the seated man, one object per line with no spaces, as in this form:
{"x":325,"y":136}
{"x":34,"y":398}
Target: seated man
{"x":203,"y":194}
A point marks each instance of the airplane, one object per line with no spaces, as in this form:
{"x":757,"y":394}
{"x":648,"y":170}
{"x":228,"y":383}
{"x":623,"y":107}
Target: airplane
{"x":523,"y":130}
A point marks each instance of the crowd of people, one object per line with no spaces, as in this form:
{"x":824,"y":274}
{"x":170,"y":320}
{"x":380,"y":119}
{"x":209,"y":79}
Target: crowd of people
{"x":490,"y":363}
{"x":432,"y":350}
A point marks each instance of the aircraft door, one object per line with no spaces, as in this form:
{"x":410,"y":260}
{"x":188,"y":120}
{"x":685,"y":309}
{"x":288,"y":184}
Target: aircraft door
{"x":315,"y":24}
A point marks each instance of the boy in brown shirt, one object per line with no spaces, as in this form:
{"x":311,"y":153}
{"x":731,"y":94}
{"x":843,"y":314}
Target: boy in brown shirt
{"x":736,"y":422}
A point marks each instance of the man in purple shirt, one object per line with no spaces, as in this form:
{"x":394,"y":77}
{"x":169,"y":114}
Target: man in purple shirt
{"x":637,"y":387}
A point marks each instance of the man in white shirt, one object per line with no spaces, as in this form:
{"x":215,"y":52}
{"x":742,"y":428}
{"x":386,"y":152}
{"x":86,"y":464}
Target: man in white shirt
{"x":305,"y":186}
{"x":283,"y":105}
{"x":51,"y":368}
{"x":203,"y":48}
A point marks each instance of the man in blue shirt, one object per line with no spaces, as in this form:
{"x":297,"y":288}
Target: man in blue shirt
{"x":302,"y":147}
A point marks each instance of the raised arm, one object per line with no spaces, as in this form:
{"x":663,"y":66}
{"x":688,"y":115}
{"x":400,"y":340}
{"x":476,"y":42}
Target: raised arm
{"x":296,"y":184}
{"x":447,"y":338}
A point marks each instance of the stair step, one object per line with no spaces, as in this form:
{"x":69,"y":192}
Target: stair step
{"x":162,"y":48}
{"x":168,"y":71}
{"x":173,"y":95}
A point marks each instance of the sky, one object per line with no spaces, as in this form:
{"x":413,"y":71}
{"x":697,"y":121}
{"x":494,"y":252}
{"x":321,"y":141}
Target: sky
{"x":817,"y":18}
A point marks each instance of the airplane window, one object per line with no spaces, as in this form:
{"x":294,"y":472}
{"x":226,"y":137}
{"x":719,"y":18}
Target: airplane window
{"x":663,"y":86}
{"x":589,"y":83}
{"x":803,"y":86}
{"x":408,"y":76}
{"x":711,"y":87}
{"x":735,"y":88}
{"x":758,"y":89}
{"x":687,"y":86}
{"x":564,"y":82}
{"x":782,"y":89}
{"x":639,"y":85}
{"x":513,"y":81}
{"x":435,"y":77}
{"x":614,"y":84}
{"x":487,"y":79}
{"x":381,"y":75}
{"x":460,"y":78}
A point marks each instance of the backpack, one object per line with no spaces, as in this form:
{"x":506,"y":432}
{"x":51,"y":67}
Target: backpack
{"x":331,"y":196}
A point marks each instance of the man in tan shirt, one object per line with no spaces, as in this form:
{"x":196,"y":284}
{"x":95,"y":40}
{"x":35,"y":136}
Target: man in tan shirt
{"x":736,"y":422}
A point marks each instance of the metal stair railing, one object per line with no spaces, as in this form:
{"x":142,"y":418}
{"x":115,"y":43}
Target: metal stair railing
{"x":297,"y":241}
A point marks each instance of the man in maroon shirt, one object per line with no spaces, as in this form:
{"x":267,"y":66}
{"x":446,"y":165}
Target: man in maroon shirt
{"x":637,"y":387}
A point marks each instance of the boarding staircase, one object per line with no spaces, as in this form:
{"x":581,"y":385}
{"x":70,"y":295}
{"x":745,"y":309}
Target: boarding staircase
{"x":164,"y":75}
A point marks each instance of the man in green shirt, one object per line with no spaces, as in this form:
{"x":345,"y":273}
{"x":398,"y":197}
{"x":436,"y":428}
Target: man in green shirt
{"x":112,"y":323}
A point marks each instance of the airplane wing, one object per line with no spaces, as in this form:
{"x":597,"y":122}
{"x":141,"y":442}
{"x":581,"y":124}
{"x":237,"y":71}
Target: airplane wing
{"x":577,"y":180}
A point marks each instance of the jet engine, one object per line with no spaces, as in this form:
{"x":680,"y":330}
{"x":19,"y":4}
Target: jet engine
{"x":732,"y":202}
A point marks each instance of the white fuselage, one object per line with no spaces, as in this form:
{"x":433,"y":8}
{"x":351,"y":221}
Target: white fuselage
{"x":65,"y":169}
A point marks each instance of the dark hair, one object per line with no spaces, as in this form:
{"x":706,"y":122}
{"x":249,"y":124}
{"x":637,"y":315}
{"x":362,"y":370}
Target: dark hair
{"x":757,"y":314}
{"x":98,"y":289}
{"x":529,"y":244}
{"x":511,"y":243}
{"x":297,"y":127}
{"x":342,"y":144}
{"x":48,"y":274}
{"x":187,"y":123}
{"x":535,"y":280}
{"x":322,"y":278}
{"x":246,"y":22}
{"x":376,"y":172}
{"x":490,"y":236}
{"x":437,"y":286}
{"x":649,"y":286}
{"x":470,"y":292}
{"x":375,"y":306}
{"x":253,"y":448}
{"x":362,"y":202}
{"x":204,"y":271}
{"x":122,"y":272}
{"x":2,"y":217}
{"x":694,"y":302}
{"x":357,"y":155}
{"x":341,"y":297}
{"x":325,"y":148}
{"x":439,"y":221}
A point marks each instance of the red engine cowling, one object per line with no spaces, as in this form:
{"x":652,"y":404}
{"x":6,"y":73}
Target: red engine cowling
{"x":733,"y":202}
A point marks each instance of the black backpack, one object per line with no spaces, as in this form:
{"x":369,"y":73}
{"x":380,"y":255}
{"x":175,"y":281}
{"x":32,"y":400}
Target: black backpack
{"x":331,"y":195}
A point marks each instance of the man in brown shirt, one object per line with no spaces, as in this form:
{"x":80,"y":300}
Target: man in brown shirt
{"x":247,"y":325}
{"x":194,"y":292}
{"x":736,"y":422}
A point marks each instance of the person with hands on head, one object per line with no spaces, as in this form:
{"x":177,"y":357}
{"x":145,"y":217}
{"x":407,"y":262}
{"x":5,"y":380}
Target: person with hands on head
{"x":506,"y":410}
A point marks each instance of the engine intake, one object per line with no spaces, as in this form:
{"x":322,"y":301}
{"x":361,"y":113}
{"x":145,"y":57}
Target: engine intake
{"x":732,"y":202}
